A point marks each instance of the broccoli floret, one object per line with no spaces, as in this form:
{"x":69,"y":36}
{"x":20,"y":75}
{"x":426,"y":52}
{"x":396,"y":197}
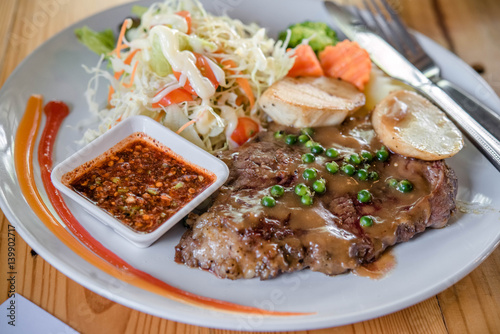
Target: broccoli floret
{"x":323,"y":35}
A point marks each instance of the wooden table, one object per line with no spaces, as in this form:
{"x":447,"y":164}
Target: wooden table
{"x":470,"y":28}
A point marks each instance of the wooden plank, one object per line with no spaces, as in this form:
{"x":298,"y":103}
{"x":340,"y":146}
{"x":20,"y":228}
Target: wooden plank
{"x":477,"y":21}
{"x":470,"y":29}
{"x":8,"y":9}
{"x":35,"y":21}
{"x":422,"y":17}
{"x":473,"y":304}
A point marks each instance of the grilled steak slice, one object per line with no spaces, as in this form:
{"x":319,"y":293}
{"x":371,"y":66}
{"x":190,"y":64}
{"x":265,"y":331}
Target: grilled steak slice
{"x":239,"y":238}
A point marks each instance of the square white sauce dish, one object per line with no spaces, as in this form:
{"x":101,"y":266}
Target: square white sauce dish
{"x":140,"y":178}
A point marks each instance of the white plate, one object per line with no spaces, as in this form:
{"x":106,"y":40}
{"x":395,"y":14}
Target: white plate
{"x":426,"y":265}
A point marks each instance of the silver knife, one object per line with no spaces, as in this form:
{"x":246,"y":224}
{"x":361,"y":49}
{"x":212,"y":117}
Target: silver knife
{"x":396,"y":66}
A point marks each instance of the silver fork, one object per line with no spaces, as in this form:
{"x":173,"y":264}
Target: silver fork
{"x":381,"y":18}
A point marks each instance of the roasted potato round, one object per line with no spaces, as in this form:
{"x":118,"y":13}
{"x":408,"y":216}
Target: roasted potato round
{"x":310,"y":101}
{"x":411,"y":125}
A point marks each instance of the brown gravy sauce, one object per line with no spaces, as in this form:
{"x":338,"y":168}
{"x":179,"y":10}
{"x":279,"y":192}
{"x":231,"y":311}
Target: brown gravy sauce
{"x":379,"y":268}
{"x":321,"y":230}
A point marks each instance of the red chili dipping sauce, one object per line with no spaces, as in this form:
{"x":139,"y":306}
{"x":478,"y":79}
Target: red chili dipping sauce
{"x":139,"y":182}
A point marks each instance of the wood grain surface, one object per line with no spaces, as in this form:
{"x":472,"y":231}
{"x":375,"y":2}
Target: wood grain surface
{"x":469,"y":28}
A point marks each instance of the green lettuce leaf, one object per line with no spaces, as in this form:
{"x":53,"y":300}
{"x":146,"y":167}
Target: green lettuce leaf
{"x":139,"y":10}
{"x":158,"y":63}
{"x":99,"y":42}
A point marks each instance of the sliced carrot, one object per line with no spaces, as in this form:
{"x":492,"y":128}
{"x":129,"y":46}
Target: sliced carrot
{"x":347,"y":61}
{"x":306,"y":63}
{"x":242,"y":82}
{"x":187,"y":16}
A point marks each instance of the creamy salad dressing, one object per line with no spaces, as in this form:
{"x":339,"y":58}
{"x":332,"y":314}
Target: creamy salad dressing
{"x":172,"y":20}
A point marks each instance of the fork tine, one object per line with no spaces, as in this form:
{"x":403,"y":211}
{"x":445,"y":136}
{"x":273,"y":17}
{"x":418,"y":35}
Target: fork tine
{"x":383,"y":26}
{"x":409,"y":38}
{"x":355,"y":10}
{"x":362,"y":15}
{"x":379,"y":27}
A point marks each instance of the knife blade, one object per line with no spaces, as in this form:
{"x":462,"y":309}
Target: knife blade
{"x":396,"y":66}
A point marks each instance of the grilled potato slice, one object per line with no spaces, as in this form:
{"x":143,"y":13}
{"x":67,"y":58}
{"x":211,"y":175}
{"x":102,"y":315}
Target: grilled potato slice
{"x":310,"y":101}
{"x":411,"y":125}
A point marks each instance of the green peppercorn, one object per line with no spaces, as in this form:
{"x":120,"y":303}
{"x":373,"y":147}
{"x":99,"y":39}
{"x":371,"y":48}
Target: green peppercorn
{"x":277,"y":191}
{"x":373,"y":176}
{"x":306,"y":200}
{"x":268,"y":201}
{"x":392,"y":182}
{"x":364,"y":196}
{"x":332,"y":167}
{"x":366,"y":221}
{"x":303,"y":139}
{"x":307,"y":131}
{"x":310,"y":143}
{"x":404,"y":186}
{"x":279,"y":134}
{"x":310,"y":174}
{"x":317,"y":149}
{"x":301,"y":189}
{"x":367,"y":156}
{"x":332,"y":153}
{"x":362,"y":174}
{"x":308,"y":158}
{"x":291,"y":139}
{"x":319,"y":186}
{"x":382,"y":154}
{"x":348,"y":169}
{"x":355,"y":159}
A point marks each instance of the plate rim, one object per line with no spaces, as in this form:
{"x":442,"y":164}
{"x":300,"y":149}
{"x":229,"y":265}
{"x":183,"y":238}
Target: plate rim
{"x":60,"y":265}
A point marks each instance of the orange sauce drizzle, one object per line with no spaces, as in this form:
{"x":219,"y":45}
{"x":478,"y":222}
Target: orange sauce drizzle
{"x":88,"y":248}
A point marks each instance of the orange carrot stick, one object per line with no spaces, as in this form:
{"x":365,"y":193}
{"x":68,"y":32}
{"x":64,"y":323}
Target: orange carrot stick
{"x":182,"y":128}
{"x":117,"y":76}
{"x":160,"y":115}
{"x":110,"y":93}
{"x":187,"y":16}
{"x":132,"y":76}
{"x":129,"y":58}
{"x":242,"y":82}
{"x":119,"y":47}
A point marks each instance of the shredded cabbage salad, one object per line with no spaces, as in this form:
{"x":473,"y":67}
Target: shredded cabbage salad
{"x":191,"y":71}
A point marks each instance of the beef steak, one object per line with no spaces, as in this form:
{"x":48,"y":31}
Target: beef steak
{"x":239,"y":238}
